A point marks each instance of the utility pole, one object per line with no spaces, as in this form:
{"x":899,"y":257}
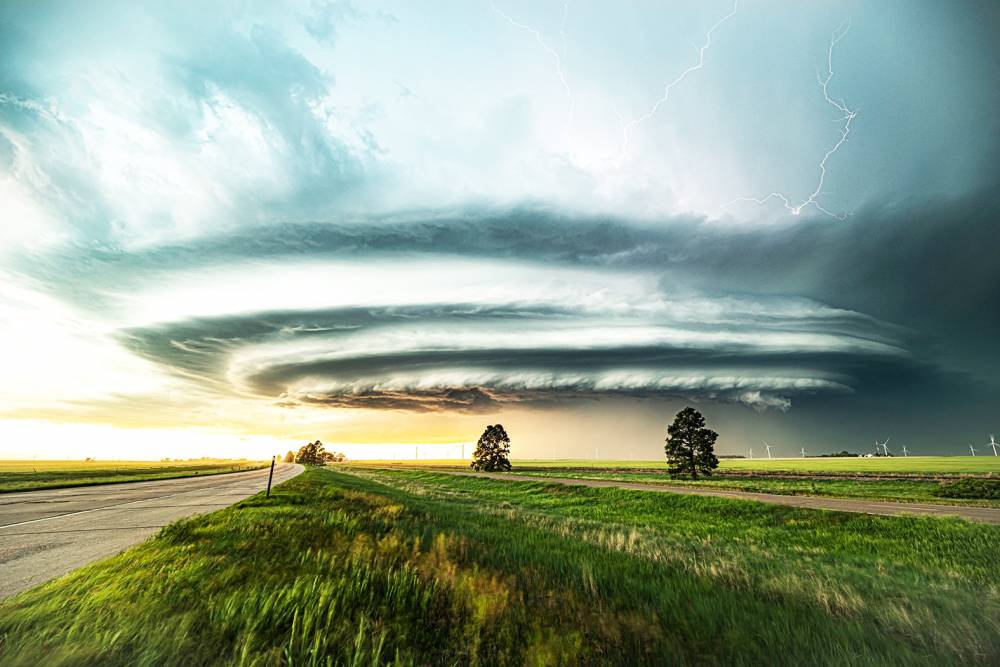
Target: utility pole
{"x":270,"y":476}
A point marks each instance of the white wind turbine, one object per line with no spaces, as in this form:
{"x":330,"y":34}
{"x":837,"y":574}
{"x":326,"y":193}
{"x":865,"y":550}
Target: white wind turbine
{"x":751,"y":453}
{"x":972,"y":449}
{"x":905,"y":453}
{"x":768,"y":449}
{"x":803,"y":452}
{"x":883,"y":445}
{"x":993,"y":444}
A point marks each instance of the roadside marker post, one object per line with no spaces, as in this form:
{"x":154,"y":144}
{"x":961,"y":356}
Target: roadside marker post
{"x":270,"y":476}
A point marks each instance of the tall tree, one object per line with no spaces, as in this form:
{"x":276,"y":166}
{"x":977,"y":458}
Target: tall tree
{"x":492,"y":450}
{"x":690,"y":445}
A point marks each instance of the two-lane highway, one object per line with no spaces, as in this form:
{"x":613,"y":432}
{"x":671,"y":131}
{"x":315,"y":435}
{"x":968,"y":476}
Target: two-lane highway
{"x":45,"y":534}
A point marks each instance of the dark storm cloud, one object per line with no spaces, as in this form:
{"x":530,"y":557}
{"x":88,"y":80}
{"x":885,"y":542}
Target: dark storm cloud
{"x":931,"y":265}
{"x":582,"y":361}
{"x":198,"y":347}
{"x":746,"y":372}
{"x":945,"y":244}
{"x":919,"y":277}
{"x":459,"y":399}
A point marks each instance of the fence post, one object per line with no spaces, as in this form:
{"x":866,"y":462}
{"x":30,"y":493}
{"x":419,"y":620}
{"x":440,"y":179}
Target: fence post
{"x":270,"y":476}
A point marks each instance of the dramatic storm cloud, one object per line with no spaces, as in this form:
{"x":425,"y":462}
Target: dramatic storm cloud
{"x":389,"y":223}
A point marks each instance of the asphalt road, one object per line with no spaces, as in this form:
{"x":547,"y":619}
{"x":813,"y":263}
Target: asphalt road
{"x":45,"y":534}
{"x":978,"y":514}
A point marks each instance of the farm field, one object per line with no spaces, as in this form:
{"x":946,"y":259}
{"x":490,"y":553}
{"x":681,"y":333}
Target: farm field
{"x":413,"y":567}
{"x":33,"y":475}
{"x":894,"y":464}
{"x":865,"y":488}
{"x":861,"y":478}
{"x":917,"y":465}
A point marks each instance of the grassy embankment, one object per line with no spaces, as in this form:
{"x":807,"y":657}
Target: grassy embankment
{"x":863,"y":482}
{"x":411,"y":567}
{"x":33,"y":475}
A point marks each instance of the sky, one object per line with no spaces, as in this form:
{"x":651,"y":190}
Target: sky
{"x":229,"y":228}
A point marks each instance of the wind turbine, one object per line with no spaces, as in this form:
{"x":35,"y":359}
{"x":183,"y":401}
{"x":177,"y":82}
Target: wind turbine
{"x":768,"y":449}
{"x":993,"y":444}
{"x":751,"y":453}
{"x":883,"y":445}
{"x":803,"y":452}
{"x":972,"y":449}
{"x":905,"y":453}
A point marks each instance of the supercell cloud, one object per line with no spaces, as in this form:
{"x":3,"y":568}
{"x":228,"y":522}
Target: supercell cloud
{"x":258,"y":220}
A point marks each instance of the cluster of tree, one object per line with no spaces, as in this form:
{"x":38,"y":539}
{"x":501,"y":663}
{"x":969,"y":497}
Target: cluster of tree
{"x":314,"y":454}
{"x":492,"y":450}
{"x":841,"y":454}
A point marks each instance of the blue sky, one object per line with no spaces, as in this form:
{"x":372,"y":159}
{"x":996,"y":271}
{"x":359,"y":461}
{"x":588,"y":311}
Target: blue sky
{"x":396,"y":222}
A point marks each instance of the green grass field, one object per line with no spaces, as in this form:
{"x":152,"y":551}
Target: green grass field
{"x":866,"y":488}
{"x":411,"y":567}
{"x":33,"y":475}
{"x":863,"y":483}
{"x":895,"y":464}
{"x":929,"y":465}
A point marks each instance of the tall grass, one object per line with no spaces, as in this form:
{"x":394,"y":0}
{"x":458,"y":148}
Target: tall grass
{"x":409,"y":567}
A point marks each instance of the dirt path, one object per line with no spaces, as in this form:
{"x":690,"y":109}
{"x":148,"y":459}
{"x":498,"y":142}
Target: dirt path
{"x":977,"y":514}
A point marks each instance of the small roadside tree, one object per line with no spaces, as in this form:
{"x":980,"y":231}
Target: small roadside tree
{"x":492,"y":450}
{"x":312,"y":454}
{"x":290,"y":457}
{"x":690,"y":445}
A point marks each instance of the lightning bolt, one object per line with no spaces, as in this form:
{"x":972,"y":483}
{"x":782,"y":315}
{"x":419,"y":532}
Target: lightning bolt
{"x":847,"y":118}
{"x":626,"y":127}
{"x":556,"y":57}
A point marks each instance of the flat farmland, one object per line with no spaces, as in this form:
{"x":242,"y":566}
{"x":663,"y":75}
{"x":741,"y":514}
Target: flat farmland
{"x":34,"y":475}
{"x":915,"y":465}
{"x":914,"y":480}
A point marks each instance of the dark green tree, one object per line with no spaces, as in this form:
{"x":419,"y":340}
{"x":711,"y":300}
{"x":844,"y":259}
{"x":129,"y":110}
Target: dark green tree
{"x":690,"y":446}
{"x":492,"y":450}
{"x":313,"y":454}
